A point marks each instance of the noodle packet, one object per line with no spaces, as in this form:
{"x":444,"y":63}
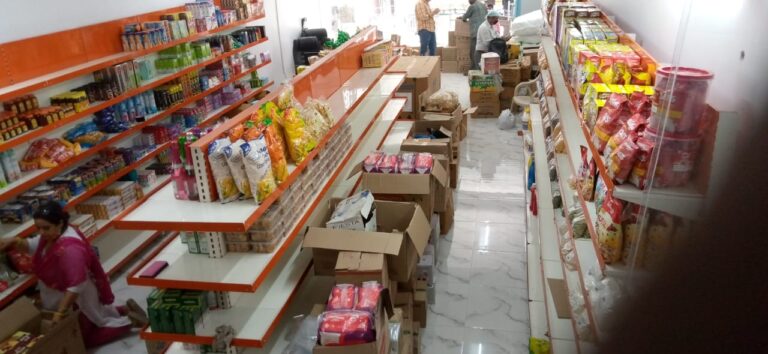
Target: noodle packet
{"x":225,"y":183}
{"x":258,"y":168}
{"x":276,"y":151}
{"x":387,"y":164}
{"x":237,"y":167}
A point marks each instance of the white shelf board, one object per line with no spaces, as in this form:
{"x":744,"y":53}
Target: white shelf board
{"x":396,"y":136}
{"x":686,"y":202}
{"x":560,"y":328}
{"x":538,"y":315}
{"x":535,"y":278}
{"x":378,"y":134}
{"x":252,"y":314}
{"x":164,"y":210}
{"x":115,"y":246}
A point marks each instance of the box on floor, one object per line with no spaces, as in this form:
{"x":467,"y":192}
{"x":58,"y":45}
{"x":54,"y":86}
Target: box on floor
{"x":422,"y":78}
{"x":381,"y":323}
{"x":403,"y":237}
{"x":456,"y":121}
{"x":487,"y":103}
{"x":22,"y":315}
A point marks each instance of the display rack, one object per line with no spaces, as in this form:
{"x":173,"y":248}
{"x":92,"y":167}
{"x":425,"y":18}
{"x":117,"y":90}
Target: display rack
{"x":364,"y":103}
{"x":116,"y":247}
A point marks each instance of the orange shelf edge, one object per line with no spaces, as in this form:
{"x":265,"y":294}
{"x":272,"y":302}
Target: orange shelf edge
{"x":27,"y":137}
{"x":37,"y":83}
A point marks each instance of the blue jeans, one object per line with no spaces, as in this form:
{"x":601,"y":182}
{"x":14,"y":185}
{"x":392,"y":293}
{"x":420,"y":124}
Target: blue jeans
{"x":428,"y":41}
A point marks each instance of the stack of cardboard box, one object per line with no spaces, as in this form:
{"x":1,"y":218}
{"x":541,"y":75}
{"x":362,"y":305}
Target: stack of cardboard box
{"x":513,"y":73}
{"x":462,"y":40}
{"x":422,"y":79}
{"x":484,"y":94}
{"x":449,"y":58}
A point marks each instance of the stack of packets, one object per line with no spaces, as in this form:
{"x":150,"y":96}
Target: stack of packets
{"x":403,"y":163}
{"x":19,"y":342}
{"x":349,"y":318}
{"x":176,"y":311}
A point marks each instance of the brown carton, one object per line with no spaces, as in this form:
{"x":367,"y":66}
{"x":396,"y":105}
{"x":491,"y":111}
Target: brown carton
{"x":510,"y":73}
{"x":419,"y":188}
{"x":507,"y":93}
{"x":452,"y":38}
{"x":525,"y":69}
{"x":422,"y":76}
{"x":380,"y":345}
{"x":420,"y":307}
{"x":403,"y":235}
{"x":450,"y":66}
{"x":449,"y":54}
{"x":462,"y":28}
{"x":63,"y":337}
{"x":354,"y":267}
{"x":487,"y":103}
{"x":454,"y":172}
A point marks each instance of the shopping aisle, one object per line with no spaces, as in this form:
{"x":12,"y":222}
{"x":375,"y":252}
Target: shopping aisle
{"x":481,"y":287}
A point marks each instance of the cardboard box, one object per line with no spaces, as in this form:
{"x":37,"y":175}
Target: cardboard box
{"x":452,"y":38}
{"x":450,"y":66}
{"x":449,"y":54}
{"x":487,"y":103}
{"x":419,"y":188}
{"x":510,"y":74}
{"x":454,"y":173}
{"x":451,"y":120}
{"x":465,"y":126}
{"x":420,"y":307}
{"x":379,"y":346}
{"x":479,"y":82}
{"x":465,"y":66}
{"x":404,"y":300}
{"x":422,"y":78}
{"x":507,"y":93}
{"x":462,"y":28}
{"x":64,"y":337}
{"x":525,"y":69}
{"x":462,"y":44}
{"x":349,"y":219}
{"x":406,"y":337}
{"x":533,"y":55}
{"x":404,"y":233}
{"x":354,"y":267}
{"x":377,"y":54}
{"x":442,"y":146}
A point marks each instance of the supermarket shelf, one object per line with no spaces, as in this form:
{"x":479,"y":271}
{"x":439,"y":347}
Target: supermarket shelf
{"x":98,"y":106}
{"x":246,"y":271}
{"x":26,"y":229}
{"x":686,"y":202}
{"x":313,"y":290}
{"x":164,"y":212}
{"x":118,"y":247}
{"x":25,"y":282}
{"x":252,"y":315}
{"x":33,"y":178}
{"x":216,"y":114}
{"x":549,"y":246}
{"x":54,"y":78}
{"x":395,"y":138}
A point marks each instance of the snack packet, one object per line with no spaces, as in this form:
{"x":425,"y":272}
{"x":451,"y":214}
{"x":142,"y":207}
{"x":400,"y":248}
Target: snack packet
{"x":316,"y":125}
{"x":387,"y":164}
{"x":371,"y":161}
{"x":236,"y":133}
{"x":609,"y":230}
{"x":368,"y":296}
{"x":299,"y":142}
{"x":621,"y":161}
{"x":258,"y":168}
{"x":286,"y":100}
{"x":236,"y":163}
{"x":342,"y":297}
{"x":406,"y":163}
{"x":346,"y":327}
{"x":225,"y":183}
{"x":276,"y":151}
{"x":423,"y":163}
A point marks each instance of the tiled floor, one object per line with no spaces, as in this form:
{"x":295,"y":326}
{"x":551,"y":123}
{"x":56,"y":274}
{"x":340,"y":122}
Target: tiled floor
{"x":481,"y":301}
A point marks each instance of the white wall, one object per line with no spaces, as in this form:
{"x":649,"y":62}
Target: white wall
{"x":717,"y":32}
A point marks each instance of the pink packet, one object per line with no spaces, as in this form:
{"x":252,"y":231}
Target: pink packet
{"x":406,"y":162}
{"x":423,"y":163}
{"x":388,"y":164}
{"x":372,"y":161}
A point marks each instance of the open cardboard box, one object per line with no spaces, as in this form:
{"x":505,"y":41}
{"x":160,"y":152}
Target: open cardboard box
{"x":380,"y":346}
{"x":353,"y":267}
{"x":403,"y":235}
{"x":422,"y":78}
{"x":419,"y":188}
{"x":64,"y":337}
{"x":454,"y":121}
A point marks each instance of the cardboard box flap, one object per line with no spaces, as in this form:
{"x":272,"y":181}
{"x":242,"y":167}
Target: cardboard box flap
{"x":433,"y":146}
{"x":415,"y":67}
{"x":419,"y":229}
{"x":350,"y":240}
{"x":360,"y":261}
{"x":470,"y":110}
{"x":23,"y":314}
{"x":440,"y":174}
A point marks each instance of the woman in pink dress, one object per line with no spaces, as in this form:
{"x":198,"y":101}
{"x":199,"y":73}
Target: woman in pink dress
{"x":70,"y":275}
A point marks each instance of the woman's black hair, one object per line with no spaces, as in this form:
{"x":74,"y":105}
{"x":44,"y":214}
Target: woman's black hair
{"x":53,"y":213}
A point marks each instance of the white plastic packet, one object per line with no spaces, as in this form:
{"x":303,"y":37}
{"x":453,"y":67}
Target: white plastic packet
{"x":258,"y":168}
{"x":225,"y":182}
{"x":506,"y":120}
{"x":237,"y":167}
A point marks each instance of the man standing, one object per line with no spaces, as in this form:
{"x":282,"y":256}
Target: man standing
{"x":486,"y":33}
{"x":476,"y":15}
{"x":425,"y":19}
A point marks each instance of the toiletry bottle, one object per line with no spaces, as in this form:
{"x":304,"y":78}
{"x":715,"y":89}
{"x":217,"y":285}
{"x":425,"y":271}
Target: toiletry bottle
{"x":178,"y":175}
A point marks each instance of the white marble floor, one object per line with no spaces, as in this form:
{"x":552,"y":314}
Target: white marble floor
{"x":481,"y":285}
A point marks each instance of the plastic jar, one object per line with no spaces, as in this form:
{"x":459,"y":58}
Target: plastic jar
{"x":678,"y":156}
{"x":686,"y":100}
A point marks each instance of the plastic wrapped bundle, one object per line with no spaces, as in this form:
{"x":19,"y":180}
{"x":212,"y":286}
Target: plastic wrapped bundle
{"x":258,"y":168}
{"x":387,"y":164}
{"x":445,"y":101}
{"x":368,"y":296}
{"x":424,"y":162}
{"x":343,"y":297}
{"x":371,"y":162}
{"x":346,"y":327}
{"x":299,"y":142}
{"x":237,"y":167}
{"x":406,"y":163}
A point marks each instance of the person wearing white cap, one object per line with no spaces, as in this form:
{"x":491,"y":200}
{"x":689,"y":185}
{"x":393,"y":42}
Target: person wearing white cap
{"x":486,"y":33}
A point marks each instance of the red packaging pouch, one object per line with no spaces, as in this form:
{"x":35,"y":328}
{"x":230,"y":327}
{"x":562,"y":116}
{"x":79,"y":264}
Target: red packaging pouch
{"x":424,"y":163}
{"x":608,"y":123}
{"x":639,"y":103}
{"x":609,"y":231}
{"x":387,"y":164}
{"x":343,"y":297}
{"x":617,"y":101}
{"x":639,"y":173}
{"x":372,"y":161}
{"x":622,"y":160}
{"x":346,"y":327}
{"x":616,"y":140}
{"x":368,"y":296}
{"x":21,"y":261}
